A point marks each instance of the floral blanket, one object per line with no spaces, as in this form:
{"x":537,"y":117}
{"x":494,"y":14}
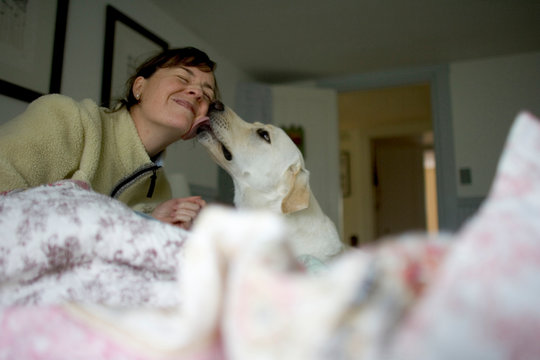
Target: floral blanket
{"x":63,"y":242}
{"x":240,"y":294}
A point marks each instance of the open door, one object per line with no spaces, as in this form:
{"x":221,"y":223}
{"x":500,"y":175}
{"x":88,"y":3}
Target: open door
{"x":399,"y":187}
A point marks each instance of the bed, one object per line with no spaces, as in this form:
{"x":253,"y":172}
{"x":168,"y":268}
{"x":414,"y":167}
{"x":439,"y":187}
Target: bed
{"x":84,"y":277}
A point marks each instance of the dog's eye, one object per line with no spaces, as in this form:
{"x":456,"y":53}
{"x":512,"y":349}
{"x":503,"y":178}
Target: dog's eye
{"x":264,"y":134}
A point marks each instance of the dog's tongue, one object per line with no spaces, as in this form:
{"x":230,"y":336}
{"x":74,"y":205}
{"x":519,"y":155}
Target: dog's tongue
{"x":196,"y":124}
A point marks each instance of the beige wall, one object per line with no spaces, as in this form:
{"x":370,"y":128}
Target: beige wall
{"x":379,"y":108}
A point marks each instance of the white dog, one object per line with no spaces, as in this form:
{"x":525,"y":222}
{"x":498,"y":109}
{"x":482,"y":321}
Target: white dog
{"x":268,"y":173}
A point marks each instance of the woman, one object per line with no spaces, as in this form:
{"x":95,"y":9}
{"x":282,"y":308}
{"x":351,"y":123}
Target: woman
{"x":116,"y":151}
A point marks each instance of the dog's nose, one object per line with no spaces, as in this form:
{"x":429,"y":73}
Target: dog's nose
{"x":216,"y":106}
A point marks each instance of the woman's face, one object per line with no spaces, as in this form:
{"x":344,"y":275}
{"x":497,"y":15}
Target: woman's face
{"x":174,"y":97}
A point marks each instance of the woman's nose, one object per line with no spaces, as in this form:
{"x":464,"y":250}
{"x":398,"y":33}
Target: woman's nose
{"x":195,"y":90}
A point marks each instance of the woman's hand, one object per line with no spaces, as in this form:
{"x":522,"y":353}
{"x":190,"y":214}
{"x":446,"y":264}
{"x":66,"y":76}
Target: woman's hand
{"x":180,"y":212}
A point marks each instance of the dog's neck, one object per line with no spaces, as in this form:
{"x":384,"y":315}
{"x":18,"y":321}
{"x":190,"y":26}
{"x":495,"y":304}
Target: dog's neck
{"x":313,"y":211}
{"x":245,"y":197}
{"x":248,"y":198}
{"x":313,"y":233}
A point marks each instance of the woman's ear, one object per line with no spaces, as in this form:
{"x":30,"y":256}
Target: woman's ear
{"x":137,"y":86}
{"x":297,"y":198}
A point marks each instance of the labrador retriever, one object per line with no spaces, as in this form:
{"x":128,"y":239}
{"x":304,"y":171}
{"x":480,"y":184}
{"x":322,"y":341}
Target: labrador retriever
{"x":268,"y":172}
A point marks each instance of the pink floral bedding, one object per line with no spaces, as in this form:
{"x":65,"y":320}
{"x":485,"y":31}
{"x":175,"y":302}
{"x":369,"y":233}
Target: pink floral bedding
{"x":64,"y":242}
{"x":240,"y":294}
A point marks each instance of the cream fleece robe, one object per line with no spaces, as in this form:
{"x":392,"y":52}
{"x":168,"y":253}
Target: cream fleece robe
{"x":58,"y":138}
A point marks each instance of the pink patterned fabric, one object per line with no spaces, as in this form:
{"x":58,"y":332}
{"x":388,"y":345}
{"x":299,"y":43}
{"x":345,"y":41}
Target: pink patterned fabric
{"x":470,"y":295}
{"x":64,"y":242}
{"x":486,"y":303}
{"x":51,"y":333}
{"x":349,"y":312}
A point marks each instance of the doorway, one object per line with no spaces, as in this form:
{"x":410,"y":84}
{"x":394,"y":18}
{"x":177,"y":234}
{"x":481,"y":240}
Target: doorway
{"x":378,"y":128}
{"x":404,"y":184}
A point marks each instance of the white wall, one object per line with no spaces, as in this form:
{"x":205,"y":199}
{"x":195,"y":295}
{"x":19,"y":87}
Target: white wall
{"x":82,"y":70}
{"x":315,"y":110}
{"x":486,"y":96}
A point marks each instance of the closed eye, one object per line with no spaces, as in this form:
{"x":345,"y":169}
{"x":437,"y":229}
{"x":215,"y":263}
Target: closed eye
{"x":264,"y":134}
{"x":208,"y":97}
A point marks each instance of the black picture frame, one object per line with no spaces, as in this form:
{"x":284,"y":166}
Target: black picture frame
{"x":30,"y":93}
{"x":345,"y":173}
{"x":114,"y":38}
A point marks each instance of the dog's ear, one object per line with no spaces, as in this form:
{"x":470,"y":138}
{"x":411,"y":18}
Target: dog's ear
{"x":297,"y":198}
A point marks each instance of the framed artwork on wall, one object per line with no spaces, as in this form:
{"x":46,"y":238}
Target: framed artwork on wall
{"x":127,"y":45}
{"x":32,"y":47}
{"x":296,"y":133}
{"x":345,"y":173}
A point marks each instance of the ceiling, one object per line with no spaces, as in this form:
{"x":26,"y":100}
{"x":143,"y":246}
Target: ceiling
{"x":293,"y":40}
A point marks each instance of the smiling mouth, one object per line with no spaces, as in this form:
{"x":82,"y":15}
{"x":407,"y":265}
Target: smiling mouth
{"x":206,"y":127}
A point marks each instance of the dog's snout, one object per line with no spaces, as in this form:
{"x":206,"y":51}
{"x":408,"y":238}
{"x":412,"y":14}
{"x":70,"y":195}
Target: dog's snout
{"x":216,"y":106}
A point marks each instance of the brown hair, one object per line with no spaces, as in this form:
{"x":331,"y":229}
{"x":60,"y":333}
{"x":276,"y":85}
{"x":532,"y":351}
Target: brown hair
{"x":187,"y":56}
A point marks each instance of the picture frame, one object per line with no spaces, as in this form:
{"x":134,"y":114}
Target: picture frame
{"x":127,"y":44}
{"x":32,"y":47}
{"x":345,"y":173}
{"x":296,"y":133}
